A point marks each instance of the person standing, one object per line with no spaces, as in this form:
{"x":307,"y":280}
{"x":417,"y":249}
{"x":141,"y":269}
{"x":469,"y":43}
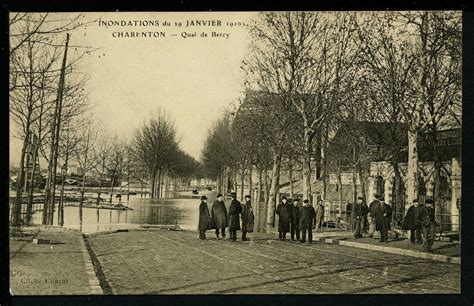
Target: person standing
{"x":308,"y":218}
{"x":365,"y":212}
{"x":295,"y":220}
{"x":204,"y":218}
{"x":219,"y":215}
{"x":412,"y":222}
{"x":284,"y":212}
{"x":428,"y":225}
{"x":247,"y":218}
{"x":320,"y":216}
{"x":383,"y":220}
{"x":374,"y":209}
{"x":358,"y":218}
{"x":235,"y":209}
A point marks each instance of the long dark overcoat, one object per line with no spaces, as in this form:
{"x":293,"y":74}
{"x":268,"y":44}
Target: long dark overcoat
{"x":295,"y":215}
{"x":308,"y":216}
{"x":284,"y":212}
{"x":247,"y":217}
{"x":412,"y":218}
{"x":219,"y":214}
{"x":382,"y":220}
{"x":374,"y":210}
{"x":235,"y":209}
{"x":204,"y":217}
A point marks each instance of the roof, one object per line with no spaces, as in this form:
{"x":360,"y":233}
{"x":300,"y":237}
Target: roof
{"x":383,"y":135}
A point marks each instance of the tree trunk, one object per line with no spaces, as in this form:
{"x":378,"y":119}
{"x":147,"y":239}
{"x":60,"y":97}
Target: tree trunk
{"x":29,"y":207}
{"x":242,"y":183}
{"x":258,"y":199}
{"x":290,"y":175}
{"x":251,"y":181}
{"x":339,"y":182}
{"x":272,"y":198}
{"x":307,"y":192}
{"x":412,"y":172}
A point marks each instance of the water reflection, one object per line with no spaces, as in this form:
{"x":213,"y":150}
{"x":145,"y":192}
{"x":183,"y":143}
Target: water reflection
{"x":181,"y":211}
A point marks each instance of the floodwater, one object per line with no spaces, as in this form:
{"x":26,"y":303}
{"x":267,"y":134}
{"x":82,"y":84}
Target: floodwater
{"x":181,"y":210}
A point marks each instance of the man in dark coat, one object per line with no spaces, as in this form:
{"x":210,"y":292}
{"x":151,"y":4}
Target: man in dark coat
{"x":374,"y":209}
{"x":412,"y":222}
{"x":428,"y":225}
{"x":295,"y":220}
{"x":204,"y":218}
{"x":219,"y":215}
{"x":365,"y":212}
{"x":307,"y":221}
{"x":247,"y":218}
{"x":359,"y":212}
{"x":284,"y":212}
{"x":383,"y":220}
{"x":235,"y":209}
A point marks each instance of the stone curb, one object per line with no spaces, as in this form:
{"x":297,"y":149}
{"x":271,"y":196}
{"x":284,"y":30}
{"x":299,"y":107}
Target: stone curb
{"x":94,"y":284}
{"x":398,"y":251}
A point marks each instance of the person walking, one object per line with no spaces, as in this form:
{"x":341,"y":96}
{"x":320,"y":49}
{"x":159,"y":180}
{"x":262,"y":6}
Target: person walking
{"x":247,"y":218}
{"x":374,"y":209}
{"x":295,"y":220}
{"x":235,"y":209}
{"x":383,"y":220}
{"x":219,"y":215}
{"x":359,"y":212}
{"x":204,"y":218}
{"x":320,"y":216}
{"x":308,"y":218}
{"x":428,"y":225}
{"x":412,"y":223}
{"x":284,"y":213}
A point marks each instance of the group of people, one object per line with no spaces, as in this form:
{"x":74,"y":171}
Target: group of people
{"x":299,"y":219}
{"x":219,"y":218}
{"x":420,"y":221}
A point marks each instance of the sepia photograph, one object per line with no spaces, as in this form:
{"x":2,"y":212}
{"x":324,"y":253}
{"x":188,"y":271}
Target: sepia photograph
{"x":235,"y":153}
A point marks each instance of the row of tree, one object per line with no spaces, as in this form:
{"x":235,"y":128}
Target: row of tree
{"x":51,"y":115}
{"x":312,"y":76}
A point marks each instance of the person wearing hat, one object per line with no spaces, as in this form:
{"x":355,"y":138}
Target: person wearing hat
{"x":295,"y":220}
{"x":428,"y":225}
{"x":307,"y":221}
{"x":284,"y":213}
{"x":219,"y":215}
{"x":411,"y":222}
{"x":204,"y":218}
{"x":235,"y":209}
{"x":320,"y":216}
{"x":247,"y":218}
{"x":359,"y":213}
{"x":383,"y":220}
{"x":374,"y":208}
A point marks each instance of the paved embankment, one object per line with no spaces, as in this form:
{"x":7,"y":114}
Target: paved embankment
{"x":60,"y":264}
{"x":176,"y":262}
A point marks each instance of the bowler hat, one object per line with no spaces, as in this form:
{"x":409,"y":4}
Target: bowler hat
{"x":283,"y":198}
{"x":248,"y":196}
{"x":219,"y":195}
{"x":360,"y":198}
{"x":429,"y":201}
{"x":203,"y":197}
{"x":415,"y":200}
{"x":306,"y":201}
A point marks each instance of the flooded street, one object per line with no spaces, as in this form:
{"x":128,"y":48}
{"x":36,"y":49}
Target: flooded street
{"x":182,"y":210}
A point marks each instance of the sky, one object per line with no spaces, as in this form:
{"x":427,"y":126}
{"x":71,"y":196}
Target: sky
{"x":194,"y":79}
